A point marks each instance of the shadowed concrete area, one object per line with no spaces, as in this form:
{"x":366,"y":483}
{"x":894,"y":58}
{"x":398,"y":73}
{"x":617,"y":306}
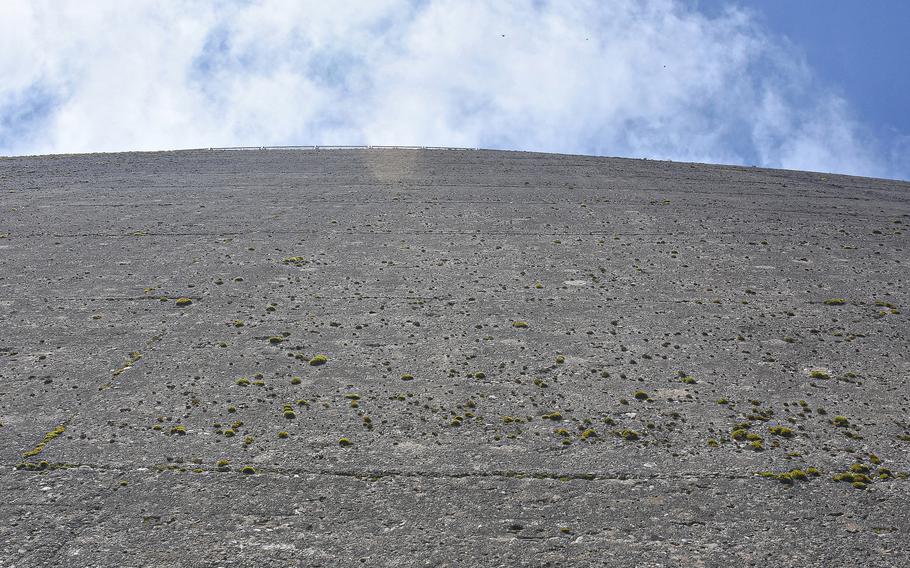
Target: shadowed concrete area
{"x":450,"y":358}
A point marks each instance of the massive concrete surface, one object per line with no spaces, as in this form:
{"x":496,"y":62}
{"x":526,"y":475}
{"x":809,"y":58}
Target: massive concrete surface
{"x":529,"y":359}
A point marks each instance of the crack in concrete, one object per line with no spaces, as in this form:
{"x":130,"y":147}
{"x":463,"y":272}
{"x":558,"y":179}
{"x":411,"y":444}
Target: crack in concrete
{"x":478,"y":232}
{"x":375,"y":474}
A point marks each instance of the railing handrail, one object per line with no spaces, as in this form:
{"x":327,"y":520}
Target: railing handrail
{"x":339,"y":147}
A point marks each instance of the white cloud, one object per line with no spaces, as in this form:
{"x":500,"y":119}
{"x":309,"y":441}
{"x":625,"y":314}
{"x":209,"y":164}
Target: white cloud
{"x":626,"y":77}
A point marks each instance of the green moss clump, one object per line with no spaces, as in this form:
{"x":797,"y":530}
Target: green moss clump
{"x":180,"y":430}
{"x":295,"y":380}
{"x":407,"y":377}
{"x":344,"y":442}
{"x":560,"y":359}
{"x":589,"y":433}
{"x":819,"y":374}
{"x":840,"y":421}
{"x":785,"y":478}
{"x":555,"y":416}
{"x":641,"y":395}
{"x":243,"y":382}
{"x":283,"y":434}
{"x":275,"y":339}
{"x":319,"y":360}
{"x":628,"y":434}
{"x":520,"y":324}
{"x":229,"y":433}
{"x":788,"y":477}
{"x":688,"y":380}
{"x":247,"y":470}
{"x":781,"y":431}
{"x":852,"y":477}
{"x":835,"y":302}
{"x":183,"y":302}
{"x":55,"y":433}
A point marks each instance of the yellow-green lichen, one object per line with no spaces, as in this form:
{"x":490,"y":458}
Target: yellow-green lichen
{"x":47,"y":439}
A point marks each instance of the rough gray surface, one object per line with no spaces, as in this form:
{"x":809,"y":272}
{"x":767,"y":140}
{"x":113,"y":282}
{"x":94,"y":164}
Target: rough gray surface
{"x":701,"y":289}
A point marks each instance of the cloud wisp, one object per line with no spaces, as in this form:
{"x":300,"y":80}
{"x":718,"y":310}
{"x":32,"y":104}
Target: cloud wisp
{"x":651,"y":78}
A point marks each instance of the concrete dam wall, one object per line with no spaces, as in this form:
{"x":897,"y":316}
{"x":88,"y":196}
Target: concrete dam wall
{"x":450,"y":358}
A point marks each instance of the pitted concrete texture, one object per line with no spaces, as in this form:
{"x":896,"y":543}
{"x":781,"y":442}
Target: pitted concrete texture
{"x":527,"y":359}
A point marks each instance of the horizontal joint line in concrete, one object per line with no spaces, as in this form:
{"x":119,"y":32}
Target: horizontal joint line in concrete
{"x":701,"y":233}
{"x":379,"y":473}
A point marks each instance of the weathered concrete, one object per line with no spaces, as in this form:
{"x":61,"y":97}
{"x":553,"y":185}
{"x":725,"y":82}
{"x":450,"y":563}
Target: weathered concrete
{"x":702,"y":287}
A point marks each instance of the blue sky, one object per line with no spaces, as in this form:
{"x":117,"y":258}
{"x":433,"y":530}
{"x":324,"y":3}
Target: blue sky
{"x":861,"y":50}
{"x":804,"y":85}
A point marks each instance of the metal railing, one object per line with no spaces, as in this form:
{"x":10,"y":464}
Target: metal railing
{"x":352,"y":147}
